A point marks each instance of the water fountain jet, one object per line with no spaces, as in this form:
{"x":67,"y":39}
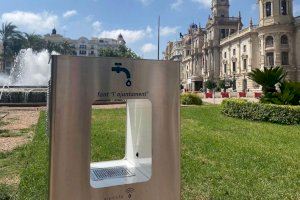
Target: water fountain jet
{"x":28,"y":79}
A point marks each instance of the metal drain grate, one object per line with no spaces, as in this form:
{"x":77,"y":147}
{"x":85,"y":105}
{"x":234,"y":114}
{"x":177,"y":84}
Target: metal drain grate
{"x":109,"y":173}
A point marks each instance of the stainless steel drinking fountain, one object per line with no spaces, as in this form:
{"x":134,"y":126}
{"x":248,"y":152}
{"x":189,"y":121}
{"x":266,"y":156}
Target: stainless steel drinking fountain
{"x":151,"y":167}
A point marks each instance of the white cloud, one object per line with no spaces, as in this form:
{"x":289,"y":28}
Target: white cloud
{"x":296,"y":9}
{"x":165,"y":31}
{"x":89,"y":18}
{"x":145,"y":2}
{"x":148,"y":48}
{"x":96,"y":27}
{"x":175,"y":5}
{"x":205,"y":3}
{"x":31,"y":22}
{"x":130,"y":36}
{"x":70,"y":13}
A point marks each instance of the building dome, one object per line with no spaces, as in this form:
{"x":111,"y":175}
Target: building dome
{"x":193,"y":26}
{"x":53,"y":31}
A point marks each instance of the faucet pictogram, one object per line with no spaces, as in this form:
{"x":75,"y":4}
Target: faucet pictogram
{"x":118,"y":69}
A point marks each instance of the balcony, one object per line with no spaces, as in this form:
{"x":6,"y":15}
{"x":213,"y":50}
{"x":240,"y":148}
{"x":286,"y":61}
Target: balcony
{"x":269,"y":45}
{"x":227,"y":20}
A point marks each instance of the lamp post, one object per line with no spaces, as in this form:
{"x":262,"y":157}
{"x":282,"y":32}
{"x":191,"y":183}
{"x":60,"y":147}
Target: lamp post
{"x":234,"y":83}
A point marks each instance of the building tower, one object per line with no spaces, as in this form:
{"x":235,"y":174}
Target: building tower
{"x":272,"y":12}
{"x":219,"y":26}
{"x":220,"y":8}
{"x":121,"y":40}
{"x":276,"y":34}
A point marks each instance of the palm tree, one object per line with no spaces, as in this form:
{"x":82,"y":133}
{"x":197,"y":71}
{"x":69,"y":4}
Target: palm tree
{"x":268,"y":78}
{"x":35,"y":42}
{"x":11,"y":40}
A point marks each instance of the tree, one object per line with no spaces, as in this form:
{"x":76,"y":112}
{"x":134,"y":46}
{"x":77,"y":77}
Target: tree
{"x":107,"y":52}
{"x":224,"y":84}
{"x":64,"y":48}
{"x":12,"y":42}
{"x":67,"y":49}
{"x":210,"y":84}
{"x":289,"y":94}
{"x":276,"y":90}
{"x":268,"y":78}
{"x":121,"y":51}
{"x":34,"y":41}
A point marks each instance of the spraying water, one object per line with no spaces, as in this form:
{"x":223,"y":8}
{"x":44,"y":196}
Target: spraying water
{"x":30,"y":69}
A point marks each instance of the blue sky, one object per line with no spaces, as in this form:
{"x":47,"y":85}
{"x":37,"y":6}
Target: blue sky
{"x":135,"y":19}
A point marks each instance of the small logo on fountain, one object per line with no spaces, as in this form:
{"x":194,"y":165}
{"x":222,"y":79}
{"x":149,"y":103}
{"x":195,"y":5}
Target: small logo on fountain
{"x":118,"y":69}
{"x":129,"y":192}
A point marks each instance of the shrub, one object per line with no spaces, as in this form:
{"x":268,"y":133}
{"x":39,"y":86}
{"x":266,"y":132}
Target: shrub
{"x":210,"y":84}
{"x":190,"y":99}
{"x":280,"y":114}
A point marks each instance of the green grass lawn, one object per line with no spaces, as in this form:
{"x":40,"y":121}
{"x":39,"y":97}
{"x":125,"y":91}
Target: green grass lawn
{"x":12,"y":164}
{"x":221,"y":158}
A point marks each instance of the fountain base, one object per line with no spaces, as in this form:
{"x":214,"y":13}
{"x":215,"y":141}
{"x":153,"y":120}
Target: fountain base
{"x":17,"y":95}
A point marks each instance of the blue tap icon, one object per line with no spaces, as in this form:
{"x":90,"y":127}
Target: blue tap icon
{"x":118,"y":69}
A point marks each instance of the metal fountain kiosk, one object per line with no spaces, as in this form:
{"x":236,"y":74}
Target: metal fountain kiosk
{"x":151,"y":167}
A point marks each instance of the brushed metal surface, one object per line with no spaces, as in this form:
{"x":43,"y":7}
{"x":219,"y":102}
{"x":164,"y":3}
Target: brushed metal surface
{"x":76,"y":83}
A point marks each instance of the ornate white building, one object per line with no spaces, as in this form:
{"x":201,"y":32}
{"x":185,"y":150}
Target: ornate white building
{"x":230,"y":52}
{"x":84,"y":46}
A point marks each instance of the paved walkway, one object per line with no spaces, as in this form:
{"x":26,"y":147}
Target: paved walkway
{"x":16,"y":126}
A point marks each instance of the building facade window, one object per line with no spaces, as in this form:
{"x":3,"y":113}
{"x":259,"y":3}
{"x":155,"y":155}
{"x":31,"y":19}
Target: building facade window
{"x":245,"y":64}
{"x":245,"y":48}
{"x":82,"y":46}
{"x":82,"y":52}
{"x":223,"y":33}
{"x":268,"y":9}
{"x":283,"y":7}
{"x":270,"y":59}
{"x":225,"y":68}
{"x":284,"y":40}
{"x":234,"y":52}
{"x":269,"y":41}
{"x":285,"y":58}
{"x":234,"y":66}
{"x":225,"y":55}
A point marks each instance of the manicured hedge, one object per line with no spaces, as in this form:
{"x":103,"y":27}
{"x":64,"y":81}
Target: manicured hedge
{"x":261,"y":112}
{"x":190,"y":99}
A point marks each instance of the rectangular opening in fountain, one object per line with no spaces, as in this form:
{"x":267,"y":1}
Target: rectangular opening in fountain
{"x":132,"y":137}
